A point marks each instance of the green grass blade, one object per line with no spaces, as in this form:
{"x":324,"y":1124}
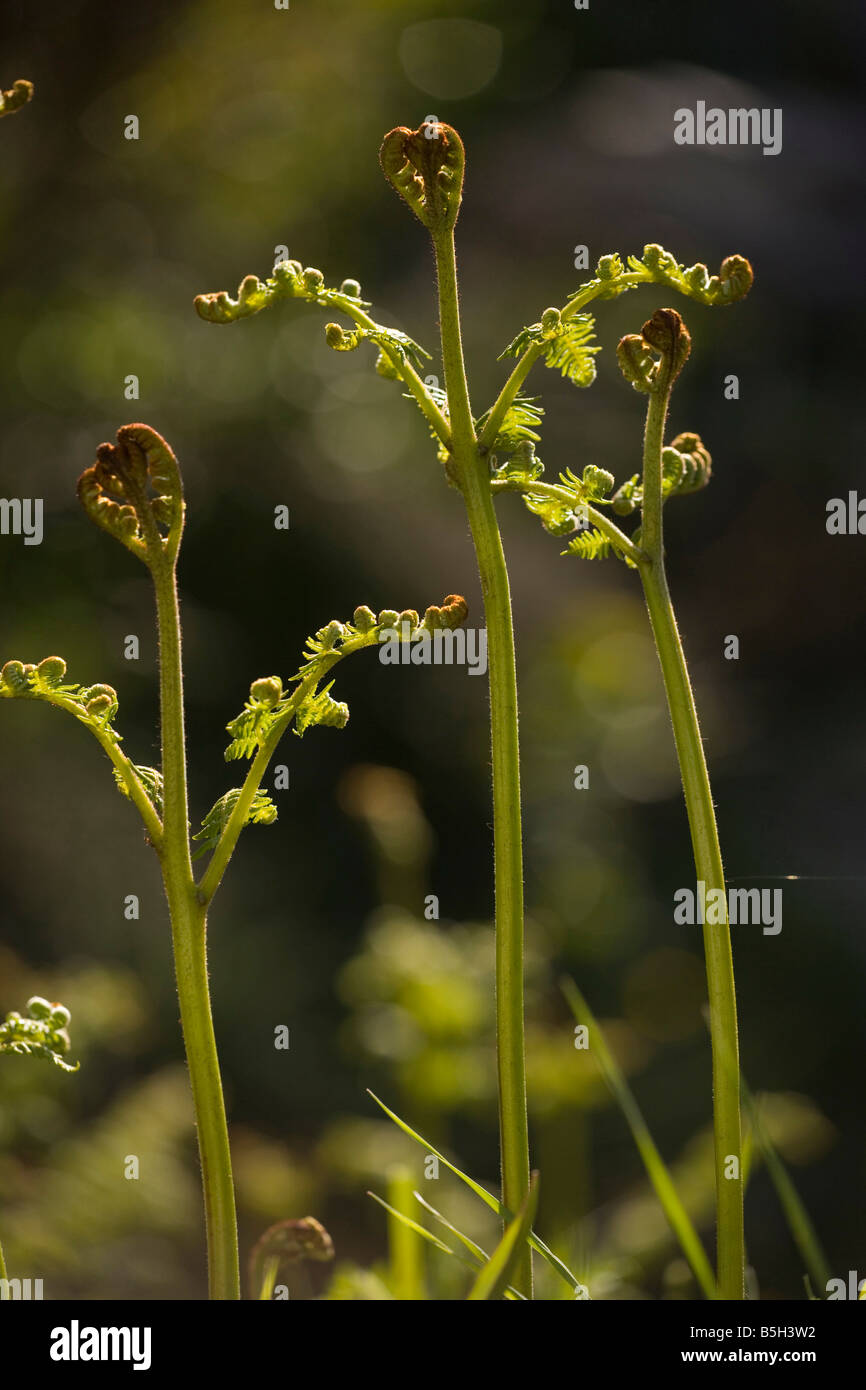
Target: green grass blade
{"x":678,"y":1218}
{"x":412,"y":1225}
{"x":481,"y":1255}
{"x":405,"y":1249}
{"x":492,"y":1202}
{"x":798,"y":1219}
{"x":492,"y":1280}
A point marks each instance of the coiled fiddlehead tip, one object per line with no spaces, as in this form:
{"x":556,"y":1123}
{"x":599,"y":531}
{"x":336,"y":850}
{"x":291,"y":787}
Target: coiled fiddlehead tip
{"x":694,"y":461}
{"x":425,"y":166}
{"x":668,"y":335}
{"x":134,"y":492}
{"x":41,"y":1033}
{"x":665,"y":334}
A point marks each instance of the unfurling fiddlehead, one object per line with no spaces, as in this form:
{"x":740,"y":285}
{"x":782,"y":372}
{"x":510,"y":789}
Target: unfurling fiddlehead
{"x":286,"y":1243}
{"x":134,"y":492}
{"x":94,"y":706}
{"x":399,"y":358}
{"x":425,"y":166}
{"x":42,"y":1032}
{"x":651,"y":362}
{"x":270,"y":710}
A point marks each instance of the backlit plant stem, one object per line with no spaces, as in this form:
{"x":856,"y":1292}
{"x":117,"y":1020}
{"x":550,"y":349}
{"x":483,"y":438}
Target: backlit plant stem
{"x":707,"y":856}
{"x":189,"y":938}
{"x":471,"y":472}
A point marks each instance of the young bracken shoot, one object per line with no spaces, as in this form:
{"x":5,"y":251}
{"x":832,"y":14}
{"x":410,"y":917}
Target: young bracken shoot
{"x":134,"y":492}
{"x":42,"y":1032}
{"x":494,"y":452}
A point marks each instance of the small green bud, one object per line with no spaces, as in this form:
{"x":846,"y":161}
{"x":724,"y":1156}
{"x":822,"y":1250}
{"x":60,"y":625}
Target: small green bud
{"x":636,"y":364}
{"x":364,"y":619}
{"x":267,"y":691}
{"x":101,"y":691}
{"x":351,"y":288}
{"x":388,"y":618}
{"x":658,"y":260}
{"x":597,"y":481}
{"x":551,"y":323}
{"x":335,"y":336}
{"x":312,"y":279}
{"x":99,"y":706}
{"x":60,"y":1016}
{"x":628,"y":496}
{"x":385,"y":367}
{"x":609,"y":267}
{"x":329,"y":636}
{"x":38,"y":1007}
{"x":287,"y":273}
{"x":698,"y":277}
{"x":61,"y":1041}
{"x":14,"y":677}
{"x":410,"y":617}
{"x":735,"y":278}
{"x":51,"y":670}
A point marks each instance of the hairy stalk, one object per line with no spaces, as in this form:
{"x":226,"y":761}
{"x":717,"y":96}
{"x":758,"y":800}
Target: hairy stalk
{"x":705,"y":844}
{"x":189,"y":937}
{"x":471,"y":473}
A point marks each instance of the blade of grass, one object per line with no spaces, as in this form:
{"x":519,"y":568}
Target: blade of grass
{"x":413,"y":1225}
{"x":406,"y":1251}
{"x":492,"y":1202}
{"x":492,"y":1280}
{"x":799,"y":1222}
{"x":481,"y":1256}
{"x":474,"y":1249}
{"x":657,"y":1171}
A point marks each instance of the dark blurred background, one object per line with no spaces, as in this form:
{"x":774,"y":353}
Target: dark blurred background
{"x":259,"y":128}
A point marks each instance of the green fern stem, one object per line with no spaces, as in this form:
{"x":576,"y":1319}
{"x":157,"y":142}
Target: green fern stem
{"x":471,"y":472}
{"x":708,"y":860}
{"x":189,"y":938}
{"x":3,"y":1274}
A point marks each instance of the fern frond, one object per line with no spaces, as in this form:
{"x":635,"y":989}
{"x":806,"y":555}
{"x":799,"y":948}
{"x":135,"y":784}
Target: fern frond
{"x":733,"y":281}
{"x":589,"y":545}
{"x":519,"y":424}
{"x":42,"y":1033}
{"x":570,"y":352}
{"x":150,"y":779}
{"x":567,"y":345}
{"x":249,"y":730}
{"x":262,"y":812}
{"x":686,"y":467}
{"x":321,"y":708}
{"x":558,"y":518}
{"x":290,"y":280}
{"x":94,"y":705}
